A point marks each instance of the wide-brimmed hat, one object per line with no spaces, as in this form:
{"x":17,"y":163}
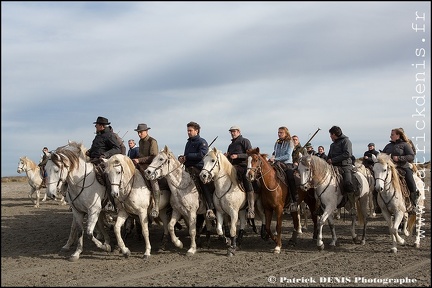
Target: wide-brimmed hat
{"x":234,"y":128}
{"x":142,"y":127}
{"x":102,"y":120}
{"x":371,"y":144}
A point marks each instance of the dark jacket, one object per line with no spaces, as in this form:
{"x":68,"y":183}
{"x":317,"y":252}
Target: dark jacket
{"x":104,"y":144}
{"x":195,"y":150}
{"x":340,"y":152}
{"x":401,"y":149}
{"x":369,"y":162}
{"x":239,"y":146}
{"x":133,"y":152}
{"x":323,"y":155}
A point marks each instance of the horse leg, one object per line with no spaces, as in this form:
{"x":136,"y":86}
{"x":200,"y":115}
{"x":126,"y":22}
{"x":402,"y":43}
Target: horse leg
{"x":44,"y":198}
{"x":72,"y":236}
{"x":145,"y":232}
{"x":192,"y":232}
{"x":297,"y":226}
{"x":393,"y":229}
{"x":243,"y":223}
{"x":121,"y":219}
{"x":269,"y":216}
{"x":30,"y":195}
{"x":327,"y":212}
{"x":164,"y":217}
{"x":279,"y":213}
{"x":37,"y":197}
{"x":405,"y":225}
{"x":332,"y":230}
{"x":363,"y":216}
{"x":96,"y":218}
{"x":174,"y":218}
{"x":79,"y":226}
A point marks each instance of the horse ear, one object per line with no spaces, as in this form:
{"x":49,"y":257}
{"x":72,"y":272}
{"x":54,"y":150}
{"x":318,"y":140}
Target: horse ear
{"x":104,"y":160}
{"x":257,"y":150}
{"x":374,"y":158}
{"x":215,"y":150}
{"x":166,"y":149}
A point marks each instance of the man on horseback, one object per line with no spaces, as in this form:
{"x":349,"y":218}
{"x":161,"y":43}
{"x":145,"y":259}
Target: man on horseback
{"x":148,"y":149}
{"x":237,"y":155}
{"x":195,"y":150}
{"x":368,"y":163}
{"x":282,"y":155}
{"x":104,"y":145}
{"x":402,"y":154}
{"x":340,"y":155}
{"x":42,"y":164}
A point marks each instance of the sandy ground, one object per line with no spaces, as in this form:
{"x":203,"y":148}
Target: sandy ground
{"x":31,"y":239}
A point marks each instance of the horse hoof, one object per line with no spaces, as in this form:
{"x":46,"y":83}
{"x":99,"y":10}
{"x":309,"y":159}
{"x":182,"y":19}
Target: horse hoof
{"x":416,"y":245}
{"x":393,"y":250}
{"x":73,"y":258}
{"x":321,"y":247}
{"x":363,"y":242}
{"x":127,"y":254}
{"x":146,"y":257}
{"x":189,"y":254}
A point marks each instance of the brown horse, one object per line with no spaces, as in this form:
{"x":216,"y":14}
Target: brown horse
{"x":273,"y":195}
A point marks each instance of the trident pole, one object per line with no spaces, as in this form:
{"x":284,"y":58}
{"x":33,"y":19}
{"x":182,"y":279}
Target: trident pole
{"x":311,"y":137}
{"x":213,"y":141}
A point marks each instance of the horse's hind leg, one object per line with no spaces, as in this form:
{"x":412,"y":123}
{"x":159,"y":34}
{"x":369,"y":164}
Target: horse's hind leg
{"x":37,"y":198}
{"x":192,"y":232}
{"x":79,"y":226}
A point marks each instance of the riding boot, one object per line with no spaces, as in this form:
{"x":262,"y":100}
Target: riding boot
{"x":351,"y":199}
{"x":414,"y":198}
{"x":209,"y":201}
{"x":375,"y":202}
{"x":44,"y":181}
{"x":156,"y":195}
{"x":251,"y":204}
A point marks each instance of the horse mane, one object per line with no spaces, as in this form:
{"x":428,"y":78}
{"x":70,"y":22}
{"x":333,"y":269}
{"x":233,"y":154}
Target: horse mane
{"x":72,"y":152}
{"x":29,"y":163}
{"x":225,"y":165}
{"x":385,"y":159}
{"x":120,"y":158}
{"x":319,"y":164}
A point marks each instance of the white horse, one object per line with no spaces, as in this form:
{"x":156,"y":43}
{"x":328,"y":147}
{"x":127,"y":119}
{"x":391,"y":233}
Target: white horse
{"x":228,"y":198}
{"x":316,"y":173}
{"x":184,"y":195}
{"x":371,"y":181}
{"x":392,"y":202}
{"x":132,"y":197}
{"x":67,"y":166}
{"x":32,"y":171}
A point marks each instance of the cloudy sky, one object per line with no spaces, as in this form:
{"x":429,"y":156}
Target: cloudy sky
{"x":259,"y":65}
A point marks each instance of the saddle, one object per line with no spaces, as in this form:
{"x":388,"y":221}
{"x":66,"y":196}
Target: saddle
{"x":280,"y":171}
{"x":356,"y":185}
{"x":240,"y":172}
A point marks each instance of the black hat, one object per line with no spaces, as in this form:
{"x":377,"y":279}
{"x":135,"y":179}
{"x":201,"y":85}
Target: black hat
{"x":142,"y":127}
{"x":308,"y":145}
{"x":102,"y":120}
{"x":371,"y":144}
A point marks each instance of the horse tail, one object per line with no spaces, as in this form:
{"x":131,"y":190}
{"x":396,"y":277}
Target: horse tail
{"x":411,"y":223}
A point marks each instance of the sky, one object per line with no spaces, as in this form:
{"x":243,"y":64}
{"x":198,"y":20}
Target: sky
{"x":363,"y":66}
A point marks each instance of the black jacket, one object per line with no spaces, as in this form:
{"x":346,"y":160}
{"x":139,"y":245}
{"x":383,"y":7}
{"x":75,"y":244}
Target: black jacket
{"x":401,"y":149}
{"x":104,"y":144}
{"x":239,"y":146}
{"x":340,"y":151}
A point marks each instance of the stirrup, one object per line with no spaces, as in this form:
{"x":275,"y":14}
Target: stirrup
{"x":154,"y":213}
{"x":210,"y":215}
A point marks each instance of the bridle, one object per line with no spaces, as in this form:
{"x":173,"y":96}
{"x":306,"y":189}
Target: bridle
{"x":167,"y":161}
{"x":387,"y":185}
{"x":216,"y":163}
{"x":258,"y":170}
{"x":130,"y":182}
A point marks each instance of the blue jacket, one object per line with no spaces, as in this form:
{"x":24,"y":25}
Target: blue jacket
{"x":283,"y":151}
{"x":133,"y":153}
{"x":195,"y":150}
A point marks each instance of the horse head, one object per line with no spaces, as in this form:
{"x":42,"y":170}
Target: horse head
{"x":254,"y":164}
{"x":22,"y":164}
{"x":305,"y":171}
{"x":57,"y":172}
{"x":120,"y":171}
{"x":212,"y":165}
{"x":160,"y":166}
{"x":384,"y":172}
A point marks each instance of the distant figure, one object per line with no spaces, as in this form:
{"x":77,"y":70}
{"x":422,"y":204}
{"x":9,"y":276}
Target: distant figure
{"x":309,"y":149}
{"x":367,"y":156}
{"x":133,"y":152}
{"x":321,"y":153}
{"x":298,"y":149}
{"x":42,"y":164}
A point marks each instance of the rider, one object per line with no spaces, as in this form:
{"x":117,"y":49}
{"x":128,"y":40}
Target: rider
{"x":236,"y":154}
{"x":195,"y":150}
{"x":402,"y":154}
{"x":368,"y":163}
{"x":282,"y":155}
{"x":42,"y":164}
{"x":148,"y":149}
{"x":104,"y":146}
{"x":340,"y":154}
